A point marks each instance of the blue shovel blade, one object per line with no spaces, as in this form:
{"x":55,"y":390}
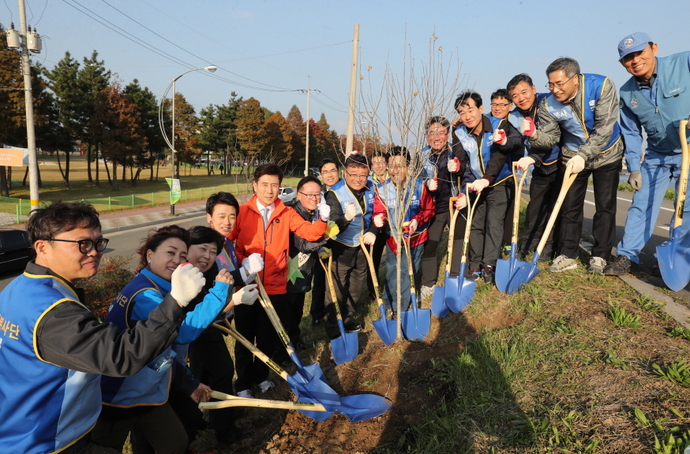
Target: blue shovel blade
{"x":505,"y":269}
{"x":346,"y":347}
{"x":385,"y":328}
{"x":314,"y":391}
{"x":361,"y":407}
{"x":438,"y":301}
{"x":465,"y":291}
{"x":523,"y":274}
{"x":674,"y":262}
{"x":452,"y":286}
{"x":416,"y":323}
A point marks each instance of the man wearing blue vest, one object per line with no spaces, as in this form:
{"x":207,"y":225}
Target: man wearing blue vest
{"x":55,"y":349}
{"x":546,"y":179}
{"x":654,"y":98}
{"x":352,"y":202}
{"x":582,"y":115}
{"x":490,"y":144}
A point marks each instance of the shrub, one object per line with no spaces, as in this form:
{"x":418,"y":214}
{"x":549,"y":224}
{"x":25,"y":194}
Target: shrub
{"x":101,"y":289}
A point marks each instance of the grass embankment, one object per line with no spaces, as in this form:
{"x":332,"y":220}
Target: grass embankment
{"x":578,"y":363}
{"x":196,"y":184}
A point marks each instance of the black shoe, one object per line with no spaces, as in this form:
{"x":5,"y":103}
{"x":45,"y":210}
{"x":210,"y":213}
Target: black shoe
{"x":488,"y":274}
{"x":656,"y":271}
{"x":353,"y":328}
{"x":316,"y":320}
{"x":620,"y":266}
{"x":233,"y":436}
{"x":473,"y":275}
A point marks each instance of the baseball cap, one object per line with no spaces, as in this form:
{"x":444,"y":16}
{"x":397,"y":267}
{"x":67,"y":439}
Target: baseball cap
{"x":633,"y":43}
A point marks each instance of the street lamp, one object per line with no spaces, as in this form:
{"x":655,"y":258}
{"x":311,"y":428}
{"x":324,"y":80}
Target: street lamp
{"x":171,"y":143}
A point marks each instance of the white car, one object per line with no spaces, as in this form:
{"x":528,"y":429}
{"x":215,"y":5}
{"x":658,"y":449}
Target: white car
{"x":286,"y":194}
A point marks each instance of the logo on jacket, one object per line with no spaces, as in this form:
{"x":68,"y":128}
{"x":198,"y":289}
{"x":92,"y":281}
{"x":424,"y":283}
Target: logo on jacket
{"x":633,"y":103}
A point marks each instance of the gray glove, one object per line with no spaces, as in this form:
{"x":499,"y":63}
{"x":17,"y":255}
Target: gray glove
{"x":635,"y":180}
{"x":186,"y":282}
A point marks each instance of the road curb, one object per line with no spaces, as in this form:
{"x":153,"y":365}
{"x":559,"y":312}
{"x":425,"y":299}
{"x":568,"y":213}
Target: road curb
{"x":679,"y":312}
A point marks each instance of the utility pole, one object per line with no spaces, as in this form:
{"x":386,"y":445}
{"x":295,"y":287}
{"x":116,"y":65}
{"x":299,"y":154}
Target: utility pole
{"x":28,"y":98}
{"x":306,"y":153}
{"x":353,"y":87}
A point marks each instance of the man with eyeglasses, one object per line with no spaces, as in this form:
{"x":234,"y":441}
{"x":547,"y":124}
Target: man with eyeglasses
{"x":352,"y":202}
{"x":490,"y":145}
{"x":655,"y":98}
{"x":582,"y":115}
{"x":54,"y":351}
{"x":442,"y":171}
{"x":500,"y":103}
{"x":303,"y":257}
{"x":546,"y":179}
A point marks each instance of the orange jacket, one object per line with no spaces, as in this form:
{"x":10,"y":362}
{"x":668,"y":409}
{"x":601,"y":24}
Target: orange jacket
{"x":273,"y":243}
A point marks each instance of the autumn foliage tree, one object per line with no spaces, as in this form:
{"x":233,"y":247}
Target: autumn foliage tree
{"x":251,"y":134}
{"x":115,"y":126}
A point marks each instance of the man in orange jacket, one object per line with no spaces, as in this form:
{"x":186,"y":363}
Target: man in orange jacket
{"x":264,"y":227}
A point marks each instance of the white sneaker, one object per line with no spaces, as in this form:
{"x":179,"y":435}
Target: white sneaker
{"x":562,"y":263}
{"x":245,"y":393}
{"x":266,"y":385}
{"x":597,"y":265}
{"x":426,"y":292}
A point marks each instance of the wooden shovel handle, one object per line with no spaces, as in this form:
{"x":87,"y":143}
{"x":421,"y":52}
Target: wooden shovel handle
{"x":331,"y":285}
{"x":518,"y":199}
{"x":568,"y":181}
{"x":684,"y":168}
{"x":227,"y":400}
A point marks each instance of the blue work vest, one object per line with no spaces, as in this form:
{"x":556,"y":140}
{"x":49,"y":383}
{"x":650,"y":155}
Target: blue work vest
{"x":151,"y":385}
{"x":410,"y":197}
{"x":360,"y":223}
{"x":45,"y":408}
{"x":575,"y":130}
{"x":515,"y":117}
{"x":672,"y":103}
{"x":477,"y":164}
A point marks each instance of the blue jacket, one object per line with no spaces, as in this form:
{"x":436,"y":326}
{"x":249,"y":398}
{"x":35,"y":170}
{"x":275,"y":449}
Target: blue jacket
{"x":657,"y":109}
{"x":541,"y":157}
{"x":479,"y":157}
{"x":70,"y":401}
{"x":360,"y":224}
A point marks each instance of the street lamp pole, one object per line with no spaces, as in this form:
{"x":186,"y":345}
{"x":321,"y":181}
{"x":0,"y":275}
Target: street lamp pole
{"x":171,"y":142}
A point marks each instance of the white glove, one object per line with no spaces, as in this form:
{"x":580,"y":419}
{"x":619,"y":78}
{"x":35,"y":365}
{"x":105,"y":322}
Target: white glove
{"x":186,"y":283}
{"x":635,"y":180}
{"x":432,"y":184}
{"x":253,"y":264}
{"x":453,"y":165}
{"x":461,"y":202}
{"x":524,"y":163}
{"x":478,"y":185}
{"x":246,"y":295}
{"x":527,"y":127}
{"x":500,"y":137}
{"x":380,"y":220}
{"x":350,"y":212}
{"x":576,"y":164}
{"x":324,"y":211}
{"x":369,"y":238}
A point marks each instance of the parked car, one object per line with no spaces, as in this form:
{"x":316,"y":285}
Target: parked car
{"x":315,"y":172}
{"x":286,"y":194}
{"x":15,"y":249}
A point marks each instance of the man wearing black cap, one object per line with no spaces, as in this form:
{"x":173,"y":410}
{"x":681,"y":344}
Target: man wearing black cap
{"x":655,"y":98}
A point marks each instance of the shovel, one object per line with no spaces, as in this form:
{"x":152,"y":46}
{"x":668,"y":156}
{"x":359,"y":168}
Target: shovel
{"x":310,"y":391}
{"x":674,"y":259}
{"x":505,"y":268}
{"x":346,"y":347}
{"x":525,"y":273}
{"x":460,"y":291}
{"x":356,"y":408}
{"x":438,"y":300}
{"x":306,"y":372}
{"x":384,"y":327}
{"x":415,"y":322}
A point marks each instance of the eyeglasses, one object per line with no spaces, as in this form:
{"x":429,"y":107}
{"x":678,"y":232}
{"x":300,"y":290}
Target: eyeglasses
{"x":438,"y":133}
{"x":357,"y":177}
{"x":85,"y":246}
{"x":311,"y":196}
{"x":559,"y":85}
{"x":500,"y":104}
{"x":329,"y":171}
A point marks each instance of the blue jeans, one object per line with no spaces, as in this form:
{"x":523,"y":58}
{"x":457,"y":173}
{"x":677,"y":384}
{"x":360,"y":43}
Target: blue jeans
{"x":389,"y":291}
{"x":658,"y":171}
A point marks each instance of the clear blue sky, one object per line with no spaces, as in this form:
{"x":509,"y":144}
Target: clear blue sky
{"x":278,"y":44}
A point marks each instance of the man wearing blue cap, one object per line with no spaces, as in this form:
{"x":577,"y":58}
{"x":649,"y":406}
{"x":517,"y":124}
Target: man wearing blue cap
{"x":655,"y":98}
